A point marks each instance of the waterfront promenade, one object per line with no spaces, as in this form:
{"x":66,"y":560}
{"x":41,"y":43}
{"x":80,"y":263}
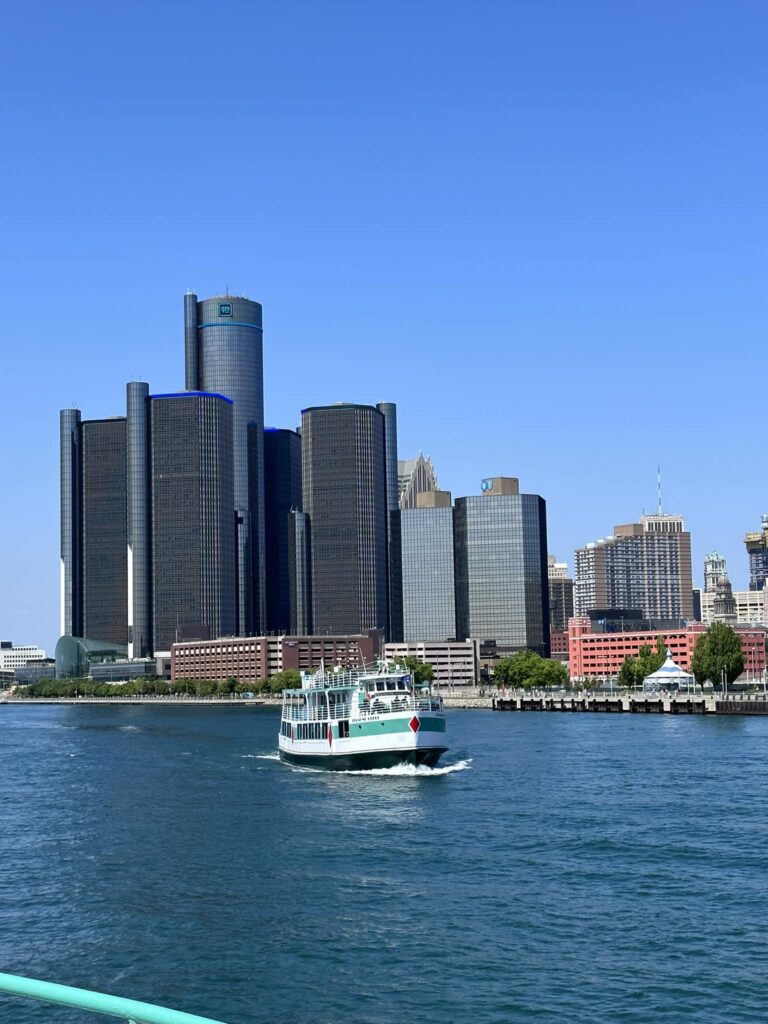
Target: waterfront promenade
{"x":481,"y":699}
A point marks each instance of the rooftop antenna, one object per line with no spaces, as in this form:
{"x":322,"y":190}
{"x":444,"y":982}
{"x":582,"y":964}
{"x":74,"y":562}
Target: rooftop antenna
{"x":658,"y":480}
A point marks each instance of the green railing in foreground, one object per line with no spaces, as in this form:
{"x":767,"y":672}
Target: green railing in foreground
{"x":97,"y":1002}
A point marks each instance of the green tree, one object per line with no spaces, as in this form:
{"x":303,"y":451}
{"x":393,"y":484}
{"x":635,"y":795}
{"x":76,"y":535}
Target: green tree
{"x":551,"y":673}
{"x":290,"y":679}
{"x":421,"y":671}
{"x":628,"y":673}
{"x":520,"y":670}
{"x":717,"y":655}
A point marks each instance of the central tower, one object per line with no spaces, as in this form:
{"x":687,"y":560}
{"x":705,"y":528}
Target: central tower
{"x":224,"y":354}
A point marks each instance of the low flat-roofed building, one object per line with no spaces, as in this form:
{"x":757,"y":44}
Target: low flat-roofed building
{"x":454,"y":663}
{"x":251,"y":658}
{"x":15,"y":657}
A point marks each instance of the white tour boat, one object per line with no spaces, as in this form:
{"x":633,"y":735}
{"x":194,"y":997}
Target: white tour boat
{"x":361,"y":719}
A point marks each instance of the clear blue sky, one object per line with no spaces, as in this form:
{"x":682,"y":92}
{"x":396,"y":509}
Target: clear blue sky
{"x":538,"y":227}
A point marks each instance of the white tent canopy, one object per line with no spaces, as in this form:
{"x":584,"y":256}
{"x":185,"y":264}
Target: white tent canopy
{"x":670,"y":676}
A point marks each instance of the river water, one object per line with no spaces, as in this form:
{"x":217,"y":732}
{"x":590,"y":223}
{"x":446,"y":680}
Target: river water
{"x":559,"y":868}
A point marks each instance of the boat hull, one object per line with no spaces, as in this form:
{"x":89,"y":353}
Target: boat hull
{"x":365,"y":760}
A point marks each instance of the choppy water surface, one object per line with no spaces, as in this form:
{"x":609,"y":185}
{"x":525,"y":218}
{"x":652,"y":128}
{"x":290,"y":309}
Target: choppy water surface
{"x":558,"y":868}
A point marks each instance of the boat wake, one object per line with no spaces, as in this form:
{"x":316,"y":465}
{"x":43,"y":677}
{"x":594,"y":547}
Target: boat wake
{"x":263,"y":757}
{"x":412,"y":771}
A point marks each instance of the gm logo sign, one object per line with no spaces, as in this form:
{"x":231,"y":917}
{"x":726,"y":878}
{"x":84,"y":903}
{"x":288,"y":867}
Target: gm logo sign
{"x":486,"y":485}
{"x":225,"y":309}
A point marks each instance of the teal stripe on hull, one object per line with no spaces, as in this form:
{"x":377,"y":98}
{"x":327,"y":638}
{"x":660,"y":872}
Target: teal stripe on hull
{"x":367,"y":760}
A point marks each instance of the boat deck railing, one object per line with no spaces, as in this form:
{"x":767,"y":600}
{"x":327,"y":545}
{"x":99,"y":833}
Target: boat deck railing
{"x":130,"y":1010}
{"x":399,"y":703}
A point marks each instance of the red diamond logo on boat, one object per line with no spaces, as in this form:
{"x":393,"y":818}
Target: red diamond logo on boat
{"x":330,"y":735}
{"x":414,"y":724}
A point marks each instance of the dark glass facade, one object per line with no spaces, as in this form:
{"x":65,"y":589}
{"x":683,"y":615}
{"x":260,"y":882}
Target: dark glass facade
{"x":394,"y":584}
{"x":282,"y":491}
{"x":139,"y":523}
{"x":428,"y":585}
{"x":560,"y":604}
{"x":500,"y":548}
{"x":70,"y":516}
{"x":223,"y":354}
{"x":299,"y":573}
{"x":193,"y":534}
{"x":104,"y":531}
{"x":345,"y":497}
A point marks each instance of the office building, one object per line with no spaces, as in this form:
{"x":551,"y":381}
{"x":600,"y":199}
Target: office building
{"x":560,"y":595}
{"x":749,"y":608}
{"x":414,"y":477}
{"x":394,"y":560}
{"x":345,"y":499}
{"x":645,"y":565}
{"x":139,"y":521}
{"x":223,"y":355}
{"x":94,"y":572}
{"x":600,"y":655}
{"x":299,"y":574}
{"x":282,"y":495}
{"x":428,"y":583}
{"x":18,"y":657}
{"x":757,"y":551}
{"x":500,"y":550}
{"x":193,"y":537}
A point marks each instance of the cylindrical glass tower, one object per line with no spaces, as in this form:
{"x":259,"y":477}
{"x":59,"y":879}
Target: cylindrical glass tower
{"x":228,"y":359}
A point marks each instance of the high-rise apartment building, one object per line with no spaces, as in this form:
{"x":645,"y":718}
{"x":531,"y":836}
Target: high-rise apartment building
{"x":500,"y":545}
{"x":645,"y":565}
{"x":224,"y":355}
{"x":344,"y":472}
{"x":193,"y":536}
{"x":282,"y":492}
{"x":757,"y":551}
{"x":428,"y":582}
{"x":560,"y":595}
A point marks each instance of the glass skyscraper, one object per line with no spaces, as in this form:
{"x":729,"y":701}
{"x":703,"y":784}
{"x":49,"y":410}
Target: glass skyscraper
{"x":282,"y":490}
{"x":500,"y":545}
{"x":193,"y":539}
{"x":428,"y":585}
{"x":345,"y":498}
{"x":223,"y":354}
{"x":93,"y":527}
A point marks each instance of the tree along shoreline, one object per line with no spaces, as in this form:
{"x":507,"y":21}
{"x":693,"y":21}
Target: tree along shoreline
{"x":181,"y":688}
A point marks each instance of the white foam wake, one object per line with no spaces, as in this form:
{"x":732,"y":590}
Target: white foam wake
{"x":414,"y":771}
{"x":263,"y":757}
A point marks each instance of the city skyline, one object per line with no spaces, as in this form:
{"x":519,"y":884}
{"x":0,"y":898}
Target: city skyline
{"x":544,"y":255}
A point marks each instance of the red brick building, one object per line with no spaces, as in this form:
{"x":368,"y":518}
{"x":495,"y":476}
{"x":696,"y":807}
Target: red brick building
{"x":251,"y":658}
{"x":601,"y":655}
